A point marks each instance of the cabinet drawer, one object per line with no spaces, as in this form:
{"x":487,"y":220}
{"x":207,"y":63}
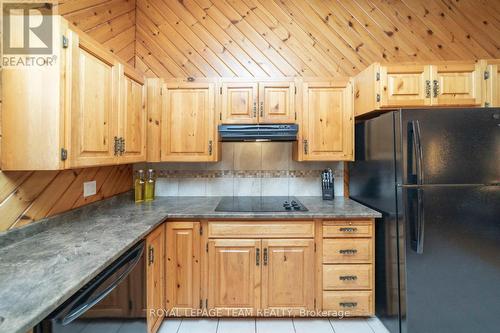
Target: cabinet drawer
{"x":264,"y":229}
{"x":347,"y":229}
{"x":352,"y":303}
{"x":347,"y":277}
{"x":352,"y":250}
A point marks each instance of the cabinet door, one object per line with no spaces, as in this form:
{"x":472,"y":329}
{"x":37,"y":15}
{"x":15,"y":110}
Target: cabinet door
{"x":188,"y":123}
{"x":328,"y":124}
{"x":493,"y":85}
{"x":288,"y":274}
{"x":276,"y":102}
{"x":183,"y":266}
{"x":155,"y":274}
{"x":405,"y":85}
{"x":132,"y":118}
{"x":239,"y":103}
{"x":234,"y":274}
{"x":456,"y":84}
{"x":94,"y":104}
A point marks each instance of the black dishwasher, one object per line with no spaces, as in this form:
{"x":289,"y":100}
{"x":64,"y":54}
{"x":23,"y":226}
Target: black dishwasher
{"x":73,"y":315}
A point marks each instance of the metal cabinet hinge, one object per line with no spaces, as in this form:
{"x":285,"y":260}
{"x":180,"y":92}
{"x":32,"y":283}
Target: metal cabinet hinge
{"x":64,"y":154}
{"x":378,"y":97}
{"x":435,"y":88}
{"x":210,"y":147}
{"x":377,"y":76}
{"x":220,"y":90}
{"x":115,"y":145}
{"x":201,"y":230}
{"x":206,"y":303}
{"x":220,"y":115}
{"x":314,"y":247}
{"x":206,"y":247}
{"x":306,"y":146}
{"x":201,"y":303}
{"x":295,"y":115}
{"x":315,"y":303}
{"x":65,"y":42}
{"x":486,"y":75}
{"x":262,"y":109}
{"x":161,"y":91}
{"x":295,"y":90}
{"x":427,"y":88}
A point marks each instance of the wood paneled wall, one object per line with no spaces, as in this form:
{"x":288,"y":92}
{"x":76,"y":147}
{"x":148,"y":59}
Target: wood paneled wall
{"x":179,"y":38}
{"x":29,"y":196}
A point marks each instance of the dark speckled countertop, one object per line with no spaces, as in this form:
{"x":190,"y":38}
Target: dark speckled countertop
{"x":43,"y":264}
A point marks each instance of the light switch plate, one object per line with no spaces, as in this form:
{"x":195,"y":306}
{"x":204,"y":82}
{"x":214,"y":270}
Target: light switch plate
{"x":89,"y":188}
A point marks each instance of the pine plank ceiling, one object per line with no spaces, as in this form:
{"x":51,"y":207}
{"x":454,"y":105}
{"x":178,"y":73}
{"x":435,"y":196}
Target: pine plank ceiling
{"x":261,"y":38}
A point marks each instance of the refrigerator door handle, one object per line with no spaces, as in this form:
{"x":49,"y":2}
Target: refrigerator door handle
{"x":420,"y":222}
{"x":415,"y":147}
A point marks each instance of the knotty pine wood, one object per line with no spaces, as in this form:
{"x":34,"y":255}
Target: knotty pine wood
{"x":265,"y":38}
{"x":29,"y":196}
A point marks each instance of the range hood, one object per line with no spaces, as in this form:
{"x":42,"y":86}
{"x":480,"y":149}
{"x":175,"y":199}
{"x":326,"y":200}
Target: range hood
{"x":261,"y":132}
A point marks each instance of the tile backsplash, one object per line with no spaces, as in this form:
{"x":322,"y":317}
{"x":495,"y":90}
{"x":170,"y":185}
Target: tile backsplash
{"x":246,"y":168}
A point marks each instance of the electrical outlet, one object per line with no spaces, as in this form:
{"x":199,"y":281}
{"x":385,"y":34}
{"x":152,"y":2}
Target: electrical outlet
{"x":89,"y":188}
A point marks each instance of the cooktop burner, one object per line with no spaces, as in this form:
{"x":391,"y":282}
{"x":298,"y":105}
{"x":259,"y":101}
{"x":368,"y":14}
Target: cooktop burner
{"x":260,"y":204}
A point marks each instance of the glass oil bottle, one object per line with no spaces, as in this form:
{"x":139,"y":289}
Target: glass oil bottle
{"x":139,"y":186}
{"x":149,"y":193}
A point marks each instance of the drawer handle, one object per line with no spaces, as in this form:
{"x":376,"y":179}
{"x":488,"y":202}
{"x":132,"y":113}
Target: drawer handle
{"x":348,"y":304}
{"x":348,"y":278}
{"x":348,"y":229}
{"x":348,"y":251}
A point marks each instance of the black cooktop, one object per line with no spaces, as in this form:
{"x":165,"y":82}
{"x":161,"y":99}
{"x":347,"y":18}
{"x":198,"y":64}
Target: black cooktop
{"x":260,"y":204}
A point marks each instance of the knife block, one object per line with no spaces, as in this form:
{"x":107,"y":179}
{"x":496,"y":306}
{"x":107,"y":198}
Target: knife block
{"x":327,"y":191}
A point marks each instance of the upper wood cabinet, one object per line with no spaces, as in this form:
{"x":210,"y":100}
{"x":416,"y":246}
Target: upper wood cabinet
{"x":188,"y":126}
{"x":238,"y":103}
{"x":492,"y":83}
{"x":327,"y":124}
{"x":266,"y":102}
{"x":83,"y":109}
{"x":132,"y":122}
{"x":457,"y":84}
{"x":389,"y":86}
{"x":183,"y":267}
{"x":93,"y":114}
{"x":406,"y":85}
{"x":155,"y":277}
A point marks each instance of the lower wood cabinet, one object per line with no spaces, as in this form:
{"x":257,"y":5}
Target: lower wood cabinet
{"x":210,"y":266}
{"x":183,"y":267}
{"x":234,"y":274}
{"x":155,"y":278}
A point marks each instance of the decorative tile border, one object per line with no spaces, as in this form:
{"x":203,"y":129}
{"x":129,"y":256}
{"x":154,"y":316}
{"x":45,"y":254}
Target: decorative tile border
{"x":242,"y":173}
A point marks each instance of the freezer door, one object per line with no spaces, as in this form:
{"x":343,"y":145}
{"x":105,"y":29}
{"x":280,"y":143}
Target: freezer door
{"x":450,"y":146}
{"x":451,"y":259}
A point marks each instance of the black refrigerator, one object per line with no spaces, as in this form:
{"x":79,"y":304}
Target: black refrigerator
{"x":435,"y":177}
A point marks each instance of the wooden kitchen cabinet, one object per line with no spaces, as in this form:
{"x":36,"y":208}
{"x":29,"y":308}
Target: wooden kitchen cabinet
{"x":188,"y":126}
{"x":456,"y":84}
{"x":93,"y":114}
{"x":239,"y":102}
{"x":277,"y":102}
{"x":132,"y":116}
{"x":183,"y":267}
{"x":327,"y":125}
{"x":446,"y":83}
{"x":234,"y":274}
{"x":86,"y":109}
{"x":288,"y":274}
{"x":262,"y":101}
{"x":492,"y":83}
{"x":155,"y":278}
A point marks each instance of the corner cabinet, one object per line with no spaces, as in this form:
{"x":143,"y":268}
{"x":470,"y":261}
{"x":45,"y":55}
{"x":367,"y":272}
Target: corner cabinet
{"x":327,"y":122}
{"x":155,"y":277}
{"x":84,"y":109}
{"x":188,"y":125}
